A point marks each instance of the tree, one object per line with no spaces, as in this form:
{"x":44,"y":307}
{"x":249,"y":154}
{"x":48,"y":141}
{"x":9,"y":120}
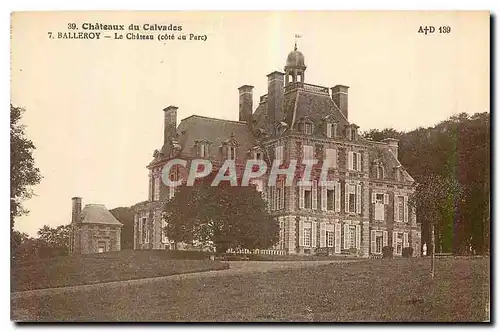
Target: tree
{"x":229,"y":217}
{"x":126,"y":216}
{"x":23,"y":173}
{"x":54,"y":241}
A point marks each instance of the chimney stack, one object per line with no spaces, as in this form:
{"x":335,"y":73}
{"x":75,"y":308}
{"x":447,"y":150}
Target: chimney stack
{"x":339,"y":97}
{"x":246,"y":102}
{"x":275,"y":97}
{"x":170,"y":125}
{"x":393,"y":145}
{"x":76,"y":208}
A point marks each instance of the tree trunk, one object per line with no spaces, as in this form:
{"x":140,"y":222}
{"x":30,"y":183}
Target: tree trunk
{"x":433,"y":252}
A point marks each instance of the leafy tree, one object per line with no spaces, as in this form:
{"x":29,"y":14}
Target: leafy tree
{"x":228,"y":217}
{"x":126,"y":216}
{"x":23,"y":173}
{"x":54,"y":241}
{"x":455,"y":153}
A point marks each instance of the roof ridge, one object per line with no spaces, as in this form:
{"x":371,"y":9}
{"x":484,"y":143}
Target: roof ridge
{"x":211,"y":118}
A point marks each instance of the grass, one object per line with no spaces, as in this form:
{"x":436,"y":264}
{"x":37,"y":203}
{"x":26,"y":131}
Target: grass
{"x":97,"y":268}
{"x":371,"y":290}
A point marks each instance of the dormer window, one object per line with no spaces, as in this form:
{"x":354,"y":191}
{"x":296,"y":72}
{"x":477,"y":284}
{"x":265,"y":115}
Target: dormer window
{"x":231,"y":153}
{"x":229,"y":148}
{"x":258,"y":155}
{"x":201,"y":148}
{"x":380,"y":172}
{"x":308,"y":128}
{"x":352,"y":132}
{"x":202,"y":151}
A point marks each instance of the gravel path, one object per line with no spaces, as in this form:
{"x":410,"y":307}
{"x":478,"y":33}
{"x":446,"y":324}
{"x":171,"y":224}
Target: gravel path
{"x":235,"y":268}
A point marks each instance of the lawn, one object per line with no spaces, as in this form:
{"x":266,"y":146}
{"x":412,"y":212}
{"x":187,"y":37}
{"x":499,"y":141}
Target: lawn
{"x":371,"y":290}
{"x":97,"y":268}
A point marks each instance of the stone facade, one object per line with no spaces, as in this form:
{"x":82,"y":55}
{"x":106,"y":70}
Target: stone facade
{"x":93,"y":229}
{"x":364,"y":208}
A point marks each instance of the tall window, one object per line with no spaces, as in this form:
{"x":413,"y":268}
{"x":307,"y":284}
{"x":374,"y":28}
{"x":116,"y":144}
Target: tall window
{"x":308,"y":152}
{"x":231,"y":153}
{"x":351,"y":196}
{"x":307,"y":237}
{"x":330,"y":238}
{"x":278,"y":153}
{"x":156,"y":196}
{"x":378,"y":241}
{"x":354,"y":161}
{"x":380,"y":172}
{"x":330,"y":199}
{"x":307,"y":198}
{"x":331,"y":157}
{"x":145,"y":231}
{"x":329,"y":130}
{"x":308,"y":128}
{"x":163,"y":232}
{"x":401,"y":208}
{"x":352,"y":236}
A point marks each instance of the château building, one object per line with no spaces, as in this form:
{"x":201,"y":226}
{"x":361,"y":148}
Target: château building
{"x":93,"y":229}
{"x":365,"y":209}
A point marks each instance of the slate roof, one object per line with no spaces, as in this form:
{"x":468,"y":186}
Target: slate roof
{"x":215,"y":131}
{"x":380,"y":151}
{"x":98,"y":214}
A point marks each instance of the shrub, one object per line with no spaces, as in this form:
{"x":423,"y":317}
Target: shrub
{"x":407,"y":252}
{"x":387,"y":252}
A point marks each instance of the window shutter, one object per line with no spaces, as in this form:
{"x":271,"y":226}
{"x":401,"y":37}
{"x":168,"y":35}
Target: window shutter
{"x":373,"y":244}
{"x":406,"y":208}
{"x":301,"y":233}
{"x":386,"y":198}
{"x":346,"y":236}
{"x":394,"y":238}
{"x":374,"y":197}
{"x":150,"y":192}
{"x":314,"y":193}
{"x":405,"y":240}
{"x":384,"y":238}
{"x":337,"y":238}
{"x":334,"y":158}
{"x":301,"y":197}
{"x":346,"y":196}
{"x":349,"y":160}
{"x":358,"y":198}
{"x":358,"y":237}
{"x":358,"y":163}
{"x":396,"y":209}
{"x":314,"y":227}
{"x":337,"y":196}
{"x":328,"y":130}
{"x":322,"y":235}
{"x":323,"y":197}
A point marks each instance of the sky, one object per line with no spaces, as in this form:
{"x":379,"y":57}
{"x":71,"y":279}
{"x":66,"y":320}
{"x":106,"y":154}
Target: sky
{"x":94,"y":107}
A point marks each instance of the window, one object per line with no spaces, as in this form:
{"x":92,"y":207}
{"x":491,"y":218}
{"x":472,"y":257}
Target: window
{"x":307,"y":198}
{"x":330,"y":238}
{"x":401,"y":208}
{"x":399,"y":243}
{"x":307,"y":237}
{"x":308,"y":152}
{"x":354,"y":161}
{"x":231,"y":153}
{"x":202,"y":150}
{"x":308,"y":128}
{"x":380,"y":172}
{"x":352,"y":236}
{"x":378,"y":241}
{"x":278,"y":153}
{"x":330,"y":199}
{"x":151,"y":186}
{"x":156,"y":196}
{"x":258,"y":155}
{"x":145,"y":231}
{"x":163,"y":232}
{"x":334,"y":129}
{"x":379,"y":198}
{"x":353,"y":198}
{"x":331,"y":157}
{"x":329,"y":129}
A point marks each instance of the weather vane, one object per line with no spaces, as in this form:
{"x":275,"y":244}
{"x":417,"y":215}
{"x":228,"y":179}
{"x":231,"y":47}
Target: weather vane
{"x":297,"y":36}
